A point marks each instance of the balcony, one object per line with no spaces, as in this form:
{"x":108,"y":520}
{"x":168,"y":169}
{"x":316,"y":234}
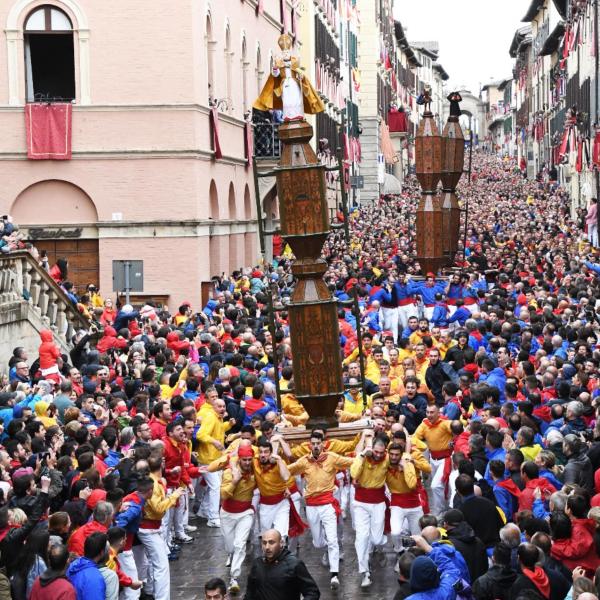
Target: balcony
{"x":266,"y":141}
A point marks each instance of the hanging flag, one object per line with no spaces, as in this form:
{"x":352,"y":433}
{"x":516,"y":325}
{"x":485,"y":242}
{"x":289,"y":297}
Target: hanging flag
{"x":596,"y":151}
{"x":214,"y":125}
{"x":260,"y":7}
{"x":248,"y":142}
{"x":564,"y":143}
{"x":48,"y":130}
{"x":579,"y":161}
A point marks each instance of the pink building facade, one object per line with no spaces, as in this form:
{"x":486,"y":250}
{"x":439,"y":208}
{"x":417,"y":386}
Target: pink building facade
{"x":143,"y":183}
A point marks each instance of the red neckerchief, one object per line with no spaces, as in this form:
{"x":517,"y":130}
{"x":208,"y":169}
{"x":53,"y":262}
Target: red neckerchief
{"x":318,"y":461}
{"x":510,"y":486}
{"x":539,"y":578}
{"x":432,"y":425}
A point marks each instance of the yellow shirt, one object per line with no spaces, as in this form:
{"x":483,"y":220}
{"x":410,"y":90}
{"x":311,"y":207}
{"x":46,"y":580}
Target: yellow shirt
{"x":158,"y":504}
{"x":212,"y":429}
{"x":402,"y":480}
{"x":293,"y":411}
{"x":319,"y":476}
{"x":333,"y":445}
{"x":350,"y":406}
{"x":437,"y":437}
{"x":268,"y":479}
{"x":368,"y":473}
{"x":242,"y":491}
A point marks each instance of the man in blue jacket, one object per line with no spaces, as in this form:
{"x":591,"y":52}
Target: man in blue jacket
{"x":84,"y":573}
{"x":493,"y":376}
{"x":433,"y":576}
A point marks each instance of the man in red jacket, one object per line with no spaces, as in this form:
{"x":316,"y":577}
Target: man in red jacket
{"x":103,"y":516}
{"x":161,"y":416}
{"x":177,"y":464}
{"x":52,"y":583}
{"x":530,"y":475}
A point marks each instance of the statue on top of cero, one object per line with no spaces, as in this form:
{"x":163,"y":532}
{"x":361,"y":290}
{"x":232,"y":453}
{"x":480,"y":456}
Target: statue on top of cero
{"x":287,"y":89}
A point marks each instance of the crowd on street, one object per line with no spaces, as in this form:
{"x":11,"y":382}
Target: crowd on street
{"x":477,"y":412}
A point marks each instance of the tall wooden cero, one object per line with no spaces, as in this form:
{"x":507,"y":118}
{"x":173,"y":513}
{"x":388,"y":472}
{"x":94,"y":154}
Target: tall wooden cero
{"x":314,"y":328}
{"x":453,"y":157}
{"x":428,"y":159}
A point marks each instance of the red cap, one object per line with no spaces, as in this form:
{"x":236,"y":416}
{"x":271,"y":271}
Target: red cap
{"x":245,"y":452}
{"x":430,"y":274}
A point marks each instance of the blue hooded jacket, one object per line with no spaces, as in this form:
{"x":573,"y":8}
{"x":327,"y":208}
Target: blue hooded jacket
{"x":495,"y":378}
{"x":87,"y":580}
{"x":449,"y":573}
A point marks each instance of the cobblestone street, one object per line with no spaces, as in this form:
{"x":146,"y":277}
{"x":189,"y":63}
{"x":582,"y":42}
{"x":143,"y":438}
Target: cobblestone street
{"x":205,"y":558}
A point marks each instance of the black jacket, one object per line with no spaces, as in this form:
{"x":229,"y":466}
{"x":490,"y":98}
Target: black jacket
{"x":286,"y":578}
{"x":435,"y":377}
{"x":12,"y":539}
{"x":495,"y":584}
{"x":579,"y":471}
{"x":483,"y":516}
{"x":404,"y":590}
{"x":559,"y":586}
{"x":471,"y":547}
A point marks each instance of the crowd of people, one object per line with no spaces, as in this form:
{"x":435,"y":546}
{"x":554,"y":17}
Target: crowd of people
{"x":477,"y":453}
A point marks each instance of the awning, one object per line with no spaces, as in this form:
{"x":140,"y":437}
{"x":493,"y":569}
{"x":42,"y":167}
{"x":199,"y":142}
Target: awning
{"x":391,"y":185}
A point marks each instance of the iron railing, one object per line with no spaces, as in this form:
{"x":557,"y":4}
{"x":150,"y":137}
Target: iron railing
{"x":266,"y":140}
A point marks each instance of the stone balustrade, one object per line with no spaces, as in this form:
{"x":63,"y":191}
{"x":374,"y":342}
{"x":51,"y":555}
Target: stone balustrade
{"x":29,"y":295}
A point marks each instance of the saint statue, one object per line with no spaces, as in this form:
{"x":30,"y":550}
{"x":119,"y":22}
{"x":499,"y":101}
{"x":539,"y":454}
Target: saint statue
{"x":287,"y":89}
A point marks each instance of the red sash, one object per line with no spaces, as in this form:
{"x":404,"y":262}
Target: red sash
{"x":236,"y":506}
{"x":323,"y":500}
{"x":272,"y":500}
{"x":370,"y":495}
{"x":150,"y":524}
{"x":406,"y":499}
{"x":296,"y":525}
{"x":406,"y":302}
{"x":439,"y":454}
{"x":423,"y":496}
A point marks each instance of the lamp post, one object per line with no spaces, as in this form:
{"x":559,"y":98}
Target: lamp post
{"x":428,"y":159}
{"x":453,"y":158}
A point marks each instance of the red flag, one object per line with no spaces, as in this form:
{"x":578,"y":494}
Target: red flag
{"x":214,"y":125}
{"x":48,"y":129}
{"x":249,"y":142}
{"x":564,"y":144}
{"x":579,"y":163}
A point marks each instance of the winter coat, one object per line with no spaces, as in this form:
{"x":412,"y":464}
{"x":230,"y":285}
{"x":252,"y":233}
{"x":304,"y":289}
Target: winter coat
{"x":579,"y":549}
{"x":495,"y":584}
{"x":77,"y":539}
{"x":87,"y":580}
{"x":13,"y":538}
{"x":471,"y":547}
{"x":579,"y":471}
{"x":110,"y":340}
{"x":52,"y":586}
{"x":286,"y":578}
{"x":48,"y":350}
{"x":495,"y":378}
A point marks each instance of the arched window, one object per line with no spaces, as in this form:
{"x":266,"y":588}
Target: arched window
{"x":209,"y":44}
{"x":228,"y":58}
{"x":245,"y":65}
{"x":231,"y":203}
{"x":213,"y":198}
{"x":49,"y":56}
{"x":259,"y":72}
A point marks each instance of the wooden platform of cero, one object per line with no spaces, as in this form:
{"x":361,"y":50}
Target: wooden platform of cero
{"x":301,"y":434}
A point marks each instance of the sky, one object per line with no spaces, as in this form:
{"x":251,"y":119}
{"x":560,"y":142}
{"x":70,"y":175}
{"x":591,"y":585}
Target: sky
{"x":474,"y":35}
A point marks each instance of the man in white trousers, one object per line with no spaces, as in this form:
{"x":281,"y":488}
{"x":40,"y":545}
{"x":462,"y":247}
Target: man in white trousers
{"x":273,"y":482}
{"x":402,"y":482}
{"x":435,"y":431}
{"x":237,"y":513}
{"x":319,"y":469}
{"x":369,"y":471}
{"x":158,"y":577}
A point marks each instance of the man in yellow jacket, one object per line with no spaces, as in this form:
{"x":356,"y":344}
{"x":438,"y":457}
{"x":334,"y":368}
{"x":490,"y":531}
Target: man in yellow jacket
{"x":435,"y":431}
{"x":369,"y":472}
{"x":155,"y":508}
{"x":211,"y":438}
{"x":237,"y":512}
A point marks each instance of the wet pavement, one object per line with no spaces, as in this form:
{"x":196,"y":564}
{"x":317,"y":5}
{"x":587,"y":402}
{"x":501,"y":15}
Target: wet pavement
{"x":205,"y":558}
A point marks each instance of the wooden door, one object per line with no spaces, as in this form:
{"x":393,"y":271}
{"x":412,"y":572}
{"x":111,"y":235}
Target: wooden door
{"x":84,"y":262}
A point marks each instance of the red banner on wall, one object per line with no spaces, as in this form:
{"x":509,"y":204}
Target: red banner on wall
{"x":48,"y":130}
{"x":214,"y":126}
